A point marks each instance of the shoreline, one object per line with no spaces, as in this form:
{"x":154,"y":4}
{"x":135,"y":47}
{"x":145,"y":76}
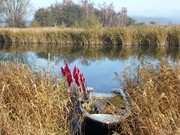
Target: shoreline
{"x":142,"y":36}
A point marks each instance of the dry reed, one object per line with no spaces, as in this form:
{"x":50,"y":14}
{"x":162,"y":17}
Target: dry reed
{"x":155,"y":99}
{"x":151,"y":36}
{"x":31,"y":104}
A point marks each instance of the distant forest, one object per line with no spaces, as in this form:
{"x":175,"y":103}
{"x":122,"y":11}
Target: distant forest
{"x":67,"y":14}
{"x":84,"y":14}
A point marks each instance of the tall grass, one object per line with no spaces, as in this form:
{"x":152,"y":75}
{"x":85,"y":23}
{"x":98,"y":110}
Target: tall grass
{"x":31,"y":104}
{"x":151,"y":36}
{"x":173,"y":38}
{"x":155,"y":102}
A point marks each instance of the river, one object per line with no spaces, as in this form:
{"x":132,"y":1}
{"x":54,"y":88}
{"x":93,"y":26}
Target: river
{"x":104,"y":69}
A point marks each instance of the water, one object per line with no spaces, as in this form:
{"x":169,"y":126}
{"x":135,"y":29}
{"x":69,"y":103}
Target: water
{"x":103,"y":68}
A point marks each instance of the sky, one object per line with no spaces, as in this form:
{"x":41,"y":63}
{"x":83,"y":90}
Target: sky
{"x":147,"y":8}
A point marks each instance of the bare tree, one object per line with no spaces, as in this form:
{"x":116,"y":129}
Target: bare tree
{"x":15,"y":11}
{"x":1,"y":10}
{"x":88,"y":8}
{"x":1,"y":7}
{"x":108,"y":12}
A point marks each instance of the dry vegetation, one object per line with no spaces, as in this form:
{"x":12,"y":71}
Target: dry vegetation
{"x":155,"y":102}
{"x":31,"y":104}
{"x":152,"y":36}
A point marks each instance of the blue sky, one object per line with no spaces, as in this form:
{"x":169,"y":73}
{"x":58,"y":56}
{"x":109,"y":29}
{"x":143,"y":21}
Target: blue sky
{"x":148,"y":8}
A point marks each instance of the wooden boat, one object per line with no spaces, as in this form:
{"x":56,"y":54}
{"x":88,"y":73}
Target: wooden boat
{"x":106,"y":114}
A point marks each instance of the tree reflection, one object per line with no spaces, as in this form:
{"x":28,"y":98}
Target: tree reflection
{"x":86,"y":56}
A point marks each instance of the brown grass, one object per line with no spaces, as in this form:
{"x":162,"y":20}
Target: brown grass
{"x":155,"y":102}
{"x":31,"y":104}
{"x":151,"y":36}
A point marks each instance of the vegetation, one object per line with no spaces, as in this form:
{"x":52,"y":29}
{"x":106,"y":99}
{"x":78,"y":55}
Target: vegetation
{"x":13,"y":12}
{"x":35,"y":103}
{"x":155,"y":102}
{"x":143,"y":36}
{"x":84,"y":14}
{"x":59,"y":15}
{"x":31,"y":103}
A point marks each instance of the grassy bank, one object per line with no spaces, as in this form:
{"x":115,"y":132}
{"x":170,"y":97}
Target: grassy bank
{"x":155,"y":102}
{"x":31,"y":103}
{"x":144,"y":36}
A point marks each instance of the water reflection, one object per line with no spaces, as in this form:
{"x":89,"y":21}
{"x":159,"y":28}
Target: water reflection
{"x":103,"y":67}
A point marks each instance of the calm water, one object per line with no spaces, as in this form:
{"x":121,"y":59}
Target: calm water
{"x":103,"y":68}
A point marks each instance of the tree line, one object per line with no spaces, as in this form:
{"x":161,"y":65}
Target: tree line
{"x":67,"y":13}
{"x":84,"y":14}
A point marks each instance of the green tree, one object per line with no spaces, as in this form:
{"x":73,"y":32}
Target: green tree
{"x":90,"y":22}
{"x":44,"y":17}
{"x":59,"y":15}
{"x":152,"y":22}
{"x":131,"y":21}
{"x":71,"y":14}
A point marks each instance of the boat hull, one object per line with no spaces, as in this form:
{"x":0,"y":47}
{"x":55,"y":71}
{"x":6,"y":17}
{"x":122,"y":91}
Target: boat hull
{"x":93,"y":127}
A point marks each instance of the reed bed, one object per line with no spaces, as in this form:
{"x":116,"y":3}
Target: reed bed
{"x":34,"y":104}
{"x":31,"y":104}
{"x":148,"y":36}
{"x":155,"y":102}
